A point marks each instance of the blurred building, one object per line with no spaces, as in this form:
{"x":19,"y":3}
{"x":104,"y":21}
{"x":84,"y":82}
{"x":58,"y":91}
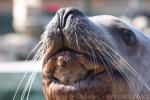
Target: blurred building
{"x":6,"y":16}
{"x":30,"y":14}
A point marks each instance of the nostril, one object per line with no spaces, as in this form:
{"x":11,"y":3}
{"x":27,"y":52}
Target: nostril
{"x":69,"y":11}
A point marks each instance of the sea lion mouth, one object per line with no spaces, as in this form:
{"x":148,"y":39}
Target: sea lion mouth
{"x":70,"y":66}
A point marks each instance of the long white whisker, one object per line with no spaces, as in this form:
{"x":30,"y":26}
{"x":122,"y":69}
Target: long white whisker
{"x":32,"y":80}
{"x":19,"y":86}
{"x":93,"y":53}
{"x":130,"y":68}
{"x":118,"y":68}
{"x":34,"y":59}
{"x":26,"y":86}
{"x":104,"y":62}
{"x":34,"y":49}
{"x":77,"y":41}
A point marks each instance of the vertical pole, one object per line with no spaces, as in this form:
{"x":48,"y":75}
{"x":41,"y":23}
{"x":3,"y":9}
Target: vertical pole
{"x":19,"y":14}
{"x":86,"y":6}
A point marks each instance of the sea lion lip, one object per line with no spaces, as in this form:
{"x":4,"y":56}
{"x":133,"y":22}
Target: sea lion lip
{"x":67,"y":49}
{"x":96,"y":56}
{"x":88,"y":80}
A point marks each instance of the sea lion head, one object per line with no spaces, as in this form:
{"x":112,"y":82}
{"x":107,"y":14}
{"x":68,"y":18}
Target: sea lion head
{"x":79,"y":57}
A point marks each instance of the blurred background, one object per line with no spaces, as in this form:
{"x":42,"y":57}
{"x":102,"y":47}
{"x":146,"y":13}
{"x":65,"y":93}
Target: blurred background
{"x":23,"y":21}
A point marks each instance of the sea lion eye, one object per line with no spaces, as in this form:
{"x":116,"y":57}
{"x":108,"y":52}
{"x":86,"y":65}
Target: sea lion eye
{"x":128,"y":36}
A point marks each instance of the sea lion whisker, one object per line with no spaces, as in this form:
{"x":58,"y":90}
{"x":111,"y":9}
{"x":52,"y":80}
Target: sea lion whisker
{"x":39,"y":44}
{"x":32,"y":80}
{"x":80,"y":18}
{"x":94,"y":60}
{"x":72,"y":31}
{"x":77,"y":41}
{"x":29,"y":84}
{"x":107,"y":63}
{"x":104,"y":63}
{"x":109,"y":54}
{"x":26,"y":87}
{"x":91,"y":30}
{"x":125,"y":75}
{"x":115,"y":63}
{"x":69,"y":36}
{"x":22,"y":79}
{"x":129,"y":67}
{"x":80,"y":25}
{"x":117,"y":66}
{"x":137,"y":76}
{"x":46,"y":40}
{"x":25,"y":75}
{"x":93,"y":53}
{"x":88,"y":52}
{"x":109,"y":72}
{"x":38,"y":56}
{"x":85,"y":39}
{"x":87,"y":32}
{"x":88,"y":37}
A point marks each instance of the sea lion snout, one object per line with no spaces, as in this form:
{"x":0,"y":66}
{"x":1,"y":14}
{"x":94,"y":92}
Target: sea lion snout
{"x":63,"y":30}
{"x":63,"y":22}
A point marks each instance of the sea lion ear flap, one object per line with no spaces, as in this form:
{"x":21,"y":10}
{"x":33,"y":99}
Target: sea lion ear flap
{"x":128,"y":36}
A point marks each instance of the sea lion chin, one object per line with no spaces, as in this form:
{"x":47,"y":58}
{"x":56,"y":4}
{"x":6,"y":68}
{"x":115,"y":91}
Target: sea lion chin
{"x":92,"y":58}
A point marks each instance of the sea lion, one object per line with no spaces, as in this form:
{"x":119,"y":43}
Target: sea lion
{"x":94,"y":58}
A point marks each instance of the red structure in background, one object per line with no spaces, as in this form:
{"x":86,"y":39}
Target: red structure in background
{"x":51,"y":8}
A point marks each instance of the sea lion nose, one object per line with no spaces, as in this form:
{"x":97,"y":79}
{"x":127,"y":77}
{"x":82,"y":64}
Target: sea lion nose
{"x":70,"y":12}
{"x":64,"y":13}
